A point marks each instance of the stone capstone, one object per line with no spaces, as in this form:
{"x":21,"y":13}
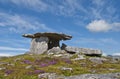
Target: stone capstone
{"x":56,"y":36}
{"x":39,"y":45}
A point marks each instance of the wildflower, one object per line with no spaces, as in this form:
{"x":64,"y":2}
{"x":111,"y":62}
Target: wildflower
{"x":27,"y":61}
{"x":52,"y":62}
{"x":68,"y":61}
{"x":43,"y":64}
{"x":7,"y":72}
{"x":38,"y":71}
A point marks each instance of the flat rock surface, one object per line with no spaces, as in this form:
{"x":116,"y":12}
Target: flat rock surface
{"x":58,"y":36}
{"x":96,"y":76}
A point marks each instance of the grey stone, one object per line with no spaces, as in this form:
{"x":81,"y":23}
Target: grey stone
{"x":39,"y":45}
{"x":4,"y":63}
{"x":2,"y":68}
{"x":58,"y":55}
{"x":114,"y":59}
{"x":66,"y":55}
{"x":58,"y":36}
{"x":97,"y":60}
{"x":18,"y":59}
{"x":80,"y":57}
{"x":96,"y":76}
{"x":29,"y":67}
{"x":11,"y":64}
{"x":85,"y":51}
{"x":54,"y":50}
{"x":91,"y":52}
{"x":66,"y":68}
{"x":50,"y":76}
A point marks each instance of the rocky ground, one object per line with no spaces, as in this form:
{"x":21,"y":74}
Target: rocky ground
{"x":59,"y":66}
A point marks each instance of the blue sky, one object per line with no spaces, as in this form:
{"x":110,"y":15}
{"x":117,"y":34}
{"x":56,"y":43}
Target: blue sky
{"x":92,"y":23}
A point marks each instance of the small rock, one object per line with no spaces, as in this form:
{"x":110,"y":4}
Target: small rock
{"x":67,"y":55}
{"x":58,"y":55}
{"x":29,"y":67}
{"x":10,"y":64}
{"x":47,"y":76}
{"x":114,"y":59}
{"x":97,"y":60}
{"x":111,"y":69}
{"x":4,"y":63}
{"x":66,"y":68}
{"x":17,"y":59}
{"x":2,"y":68}
{"x":83,"y":64}
{"x":80,"y":57}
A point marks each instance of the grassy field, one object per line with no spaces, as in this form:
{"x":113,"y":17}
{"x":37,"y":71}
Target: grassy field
{"x":29,"y":66}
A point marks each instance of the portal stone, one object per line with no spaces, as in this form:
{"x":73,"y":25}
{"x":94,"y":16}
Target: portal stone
{"x":39,"y":45}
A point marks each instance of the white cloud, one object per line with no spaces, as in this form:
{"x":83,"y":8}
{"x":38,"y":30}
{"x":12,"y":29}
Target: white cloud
{"x":5,"y":55}
{"x":99,"y":26}
{"x":62,"y":7}
{"x":102,"y":26}
{"x":69,"y":8}
{"x":12,"y":49}
{"x":17,"y":23}
{"x":98,"y":2}
{"x":116,"y":26}
{"x":104,"y":54}
{"x":116,"y":54}
{"x":37,"y":5}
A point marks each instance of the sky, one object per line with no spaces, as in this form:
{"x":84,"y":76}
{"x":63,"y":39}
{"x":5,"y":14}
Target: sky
{"x":92,"y":23}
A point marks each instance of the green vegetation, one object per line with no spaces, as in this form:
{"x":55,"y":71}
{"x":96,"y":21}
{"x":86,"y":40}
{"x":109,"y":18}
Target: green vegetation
{"x":29,"y":66}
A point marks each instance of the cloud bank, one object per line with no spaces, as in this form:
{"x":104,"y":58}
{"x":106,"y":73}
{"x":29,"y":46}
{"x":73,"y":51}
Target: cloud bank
{"x":17,"y":23}
{"x":102,"y":26}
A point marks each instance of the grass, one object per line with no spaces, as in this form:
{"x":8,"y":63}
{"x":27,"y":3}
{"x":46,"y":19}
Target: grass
{"x":15,"y":67}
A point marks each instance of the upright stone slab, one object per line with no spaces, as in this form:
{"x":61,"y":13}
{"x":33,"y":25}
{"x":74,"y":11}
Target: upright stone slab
{"x":39,"y":45}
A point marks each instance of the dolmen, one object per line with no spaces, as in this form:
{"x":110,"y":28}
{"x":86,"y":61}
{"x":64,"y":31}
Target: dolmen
{"x":41,"y":42}
{"x":47,"y":41}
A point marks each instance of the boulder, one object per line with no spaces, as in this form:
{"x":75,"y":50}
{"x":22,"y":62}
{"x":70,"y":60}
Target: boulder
{"x":85,"y":51}
{"x":54,"y":50}
{"x":91,"y":52}
{"x":69,"y":49}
